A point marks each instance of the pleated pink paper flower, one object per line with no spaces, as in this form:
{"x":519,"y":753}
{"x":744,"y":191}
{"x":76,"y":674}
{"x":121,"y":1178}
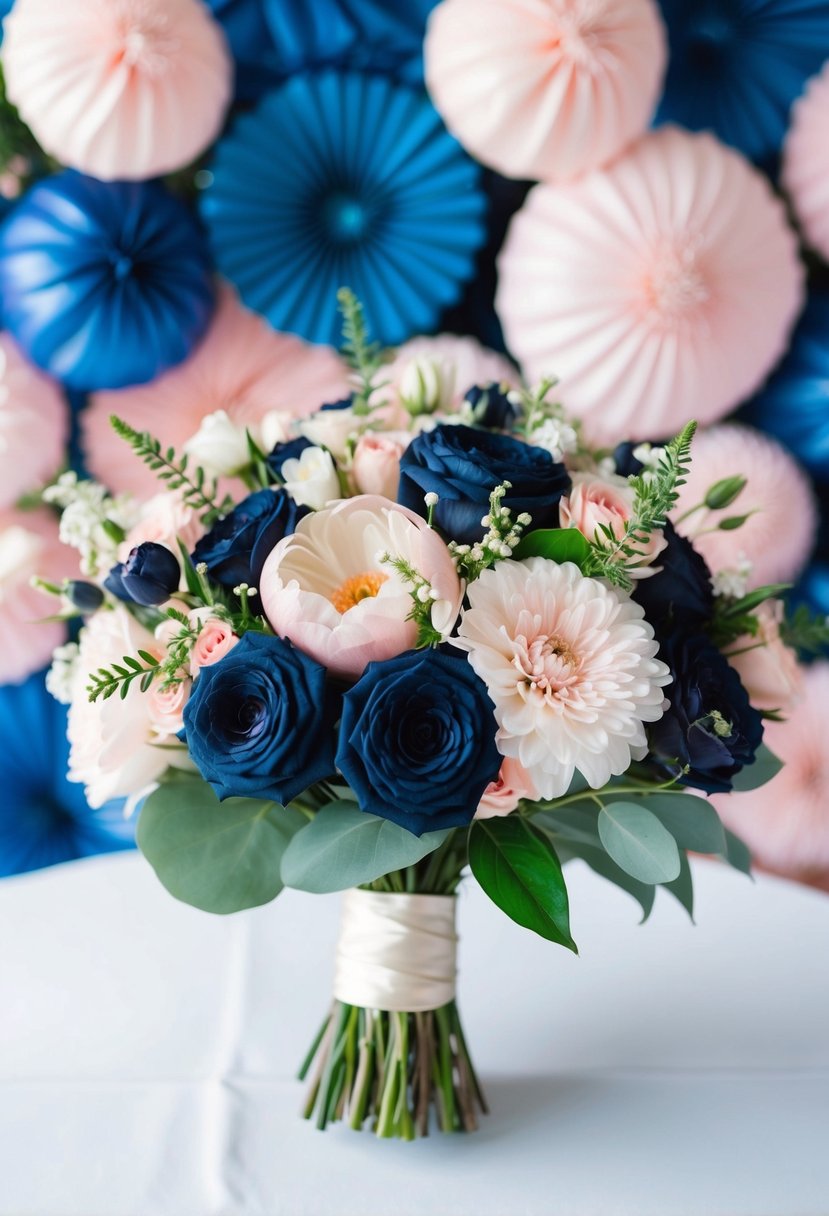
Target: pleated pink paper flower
{"x":34,"y":425}
{"x":661,"y":289}
{"x":545,"y":88}
{"x":118,"y":88}
{"x":806,"y":161}
{"x":779,"y":534}
{"x":29,"y":547}
{"x":241,"y":366}
{"x":786,"y":823}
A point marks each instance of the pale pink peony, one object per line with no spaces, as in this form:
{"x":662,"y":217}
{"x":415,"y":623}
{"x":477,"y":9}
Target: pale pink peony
{"x":570,"y":664}
{"x":545,"y":88}
{"x":34,"y":425}
{"x":215,"y":640}
{"x":456,"y":364}
{"x":786,"y":822}
{"x":118,"y":88}
{"x":660,"y":289}
{"x":111,"y":741}
{"x":607,"y":501}
{"x":241,"y":366}
{"x":375,"y":468}
{"x":501,"y":797}
{"x":29,"y":548}
{"x":326,"y":588}
{"x":770,"y":672}
{"x":778,"y":537}
{"x":806,"y":161}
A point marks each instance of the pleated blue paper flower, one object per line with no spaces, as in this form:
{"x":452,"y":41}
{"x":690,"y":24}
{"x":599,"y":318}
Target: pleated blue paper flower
{"x":345,"y":179}
{"x":44,"y":819}
{"x":5,"y":9}
{"x":794,"y":405}
{"x":104,"y":284}
{"x":253,"y":50}
{"x":736,"y":66}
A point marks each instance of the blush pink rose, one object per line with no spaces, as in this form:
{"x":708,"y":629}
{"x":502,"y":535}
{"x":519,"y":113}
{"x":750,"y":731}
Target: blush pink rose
{"x":165,"y":707}
{"x":164,"y":519}
{"x":502,"y":796}
{"x":376,"y":465}
{"x":607,"y":501}
{"x":215,"y":640}
{"x":770,"y":673}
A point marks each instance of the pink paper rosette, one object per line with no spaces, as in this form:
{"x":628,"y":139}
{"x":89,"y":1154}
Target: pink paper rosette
{"x":661,"y":289}
{"x":29,"y":547}
{"x":118,"y":88}
{"x":545,"y":88}
{"x":242,"y":366}
{"x":34,"y":425}
{"x":806,"y":161}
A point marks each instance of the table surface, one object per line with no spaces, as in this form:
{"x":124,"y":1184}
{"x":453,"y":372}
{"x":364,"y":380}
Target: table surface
{"x":147,"y":1054}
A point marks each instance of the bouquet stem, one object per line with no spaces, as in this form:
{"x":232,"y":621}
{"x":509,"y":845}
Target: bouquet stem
{"x":390,"y":1069}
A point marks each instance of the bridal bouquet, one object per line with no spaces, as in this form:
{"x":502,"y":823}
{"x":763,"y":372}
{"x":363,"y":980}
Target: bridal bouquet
{"x":411,"y":634}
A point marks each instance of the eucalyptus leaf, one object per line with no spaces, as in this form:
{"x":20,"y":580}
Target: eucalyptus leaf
{"x":345,"y":847}
{"x":218,"y":856}
{"x":737,"y":853}
{"x":557,"y":544}
{"x":692,"y":821}
{"x":601,"y":864}
{"x":520,"y":871}
{"x":638,"y":842}
{"x":766,"y":765}
{"x":577,"y":821}
{"x":682,"y":887}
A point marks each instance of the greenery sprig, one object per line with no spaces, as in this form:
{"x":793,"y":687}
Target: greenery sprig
{"x":806,"y":632}
{"x":198,"y":490}
{"x":656,"y":493}
{"x":365,"y":358}
{"x":120,"y":676}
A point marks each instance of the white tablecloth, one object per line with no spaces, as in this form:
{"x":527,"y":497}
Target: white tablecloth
{"x":147,"y":1054}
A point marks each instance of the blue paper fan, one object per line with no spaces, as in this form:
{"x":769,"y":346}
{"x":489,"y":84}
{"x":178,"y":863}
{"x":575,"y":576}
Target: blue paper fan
{"x":5,"y":9}
{"x":44,"y":819}
{"x":736,"y":66}
{"x":794,"y":405}
{"x":345,"y":179}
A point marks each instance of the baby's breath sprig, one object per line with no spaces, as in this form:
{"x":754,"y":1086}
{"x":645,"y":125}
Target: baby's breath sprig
{"x":502,"y":537}
{"x":544,"y":422}
{"x":365,"y":358}
{"x":423,"y":596}
{"x":656,"y":493}
{"x":198,"y":490}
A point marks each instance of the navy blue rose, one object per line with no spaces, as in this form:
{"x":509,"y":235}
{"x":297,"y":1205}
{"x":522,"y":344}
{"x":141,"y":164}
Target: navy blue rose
{"x":417,"y":740}
{"x":292,"y":450}
{"x":711,"y":725}
{"x":235,"y":548}
{"x":149,"y":576}
{"x":491,"y":406}
{"x":258,"y":723}
{"x":463,"y":466}
{"x":681,"y":593}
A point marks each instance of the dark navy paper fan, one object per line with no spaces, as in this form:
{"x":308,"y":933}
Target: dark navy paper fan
{"x":104,"y":284}
{"x":736,"y":66}
{"x":249,"y":38}
{"x":794,"y":405}
{"x":345,"y":179}
{"x":45,"y":819}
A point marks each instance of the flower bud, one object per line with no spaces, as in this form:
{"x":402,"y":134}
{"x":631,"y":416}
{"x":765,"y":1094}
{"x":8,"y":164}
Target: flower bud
{"x":426,"y":386}
{"x":148,"y":577}
{"x":86,"y":597}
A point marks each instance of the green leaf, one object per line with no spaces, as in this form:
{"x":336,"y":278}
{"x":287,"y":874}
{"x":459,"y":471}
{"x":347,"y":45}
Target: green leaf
{"x":723,"y":493}
{"x":521,"y":873}
{"x":693,"y":822}
{"x":577,"y":821}
{"x":737,"y":853}
{"x":218,"y":856}
{"x":557,"y":544}
{"x":682,"y":887}
{"x":766,"y":766}
{"x":733,"y":522}
{"x":753,"y":599}
{"x":345,"y":847}
{"x":601,"y":864}
{"x":190,"y":576}
{"x":638,"y":842}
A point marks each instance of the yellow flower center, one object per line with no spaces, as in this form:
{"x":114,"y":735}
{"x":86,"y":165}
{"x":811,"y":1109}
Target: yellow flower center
{"x":357,"y":588}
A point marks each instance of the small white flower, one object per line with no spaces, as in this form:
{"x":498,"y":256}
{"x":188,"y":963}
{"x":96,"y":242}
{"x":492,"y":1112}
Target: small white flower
{"x":219,"y":446}
{"x":733,"y":581}
{"x":276,"y":427}
{"x":431,"y":499}
{"x":61,"y":675}
{"x":87,"y":508}
{"x":427,"y":385}
{"x":648,"y":455}
{"x":312,"y":479}
{"x":334,"y":429}
{"x":556,"y":436}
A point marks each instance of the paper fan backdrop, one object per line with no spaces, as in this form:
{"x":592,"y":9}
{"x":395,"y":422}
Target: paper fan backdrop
{"x":545,"y":88}
{"x":736,"y":66}
{"x":103,"y":283}
{"x":241,"y":366}
{"x":806,"y":161}
{"x":368,"y":190}
{"x":29,"y":548}
{"x":34,"y":425}
{"x":45,"y":819}
{"x":794,"y":404}
{"x":658,"y":290}
{"x":118,"y":88}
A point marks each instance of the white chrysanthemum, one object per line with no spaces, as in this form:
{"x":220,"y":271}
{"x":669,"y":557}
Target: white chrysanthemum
{"x":570,"y":665}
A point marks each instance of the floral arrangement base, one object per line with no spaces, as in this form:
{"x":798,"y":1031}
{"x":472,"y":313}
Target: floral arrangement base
{"x":389,"y":1069}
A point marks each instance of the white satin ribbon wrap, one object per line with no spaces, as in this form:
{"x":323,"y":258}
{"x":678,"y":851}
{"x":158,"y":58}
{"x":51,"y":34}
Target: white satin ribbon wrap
{"x":396,"y":952}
